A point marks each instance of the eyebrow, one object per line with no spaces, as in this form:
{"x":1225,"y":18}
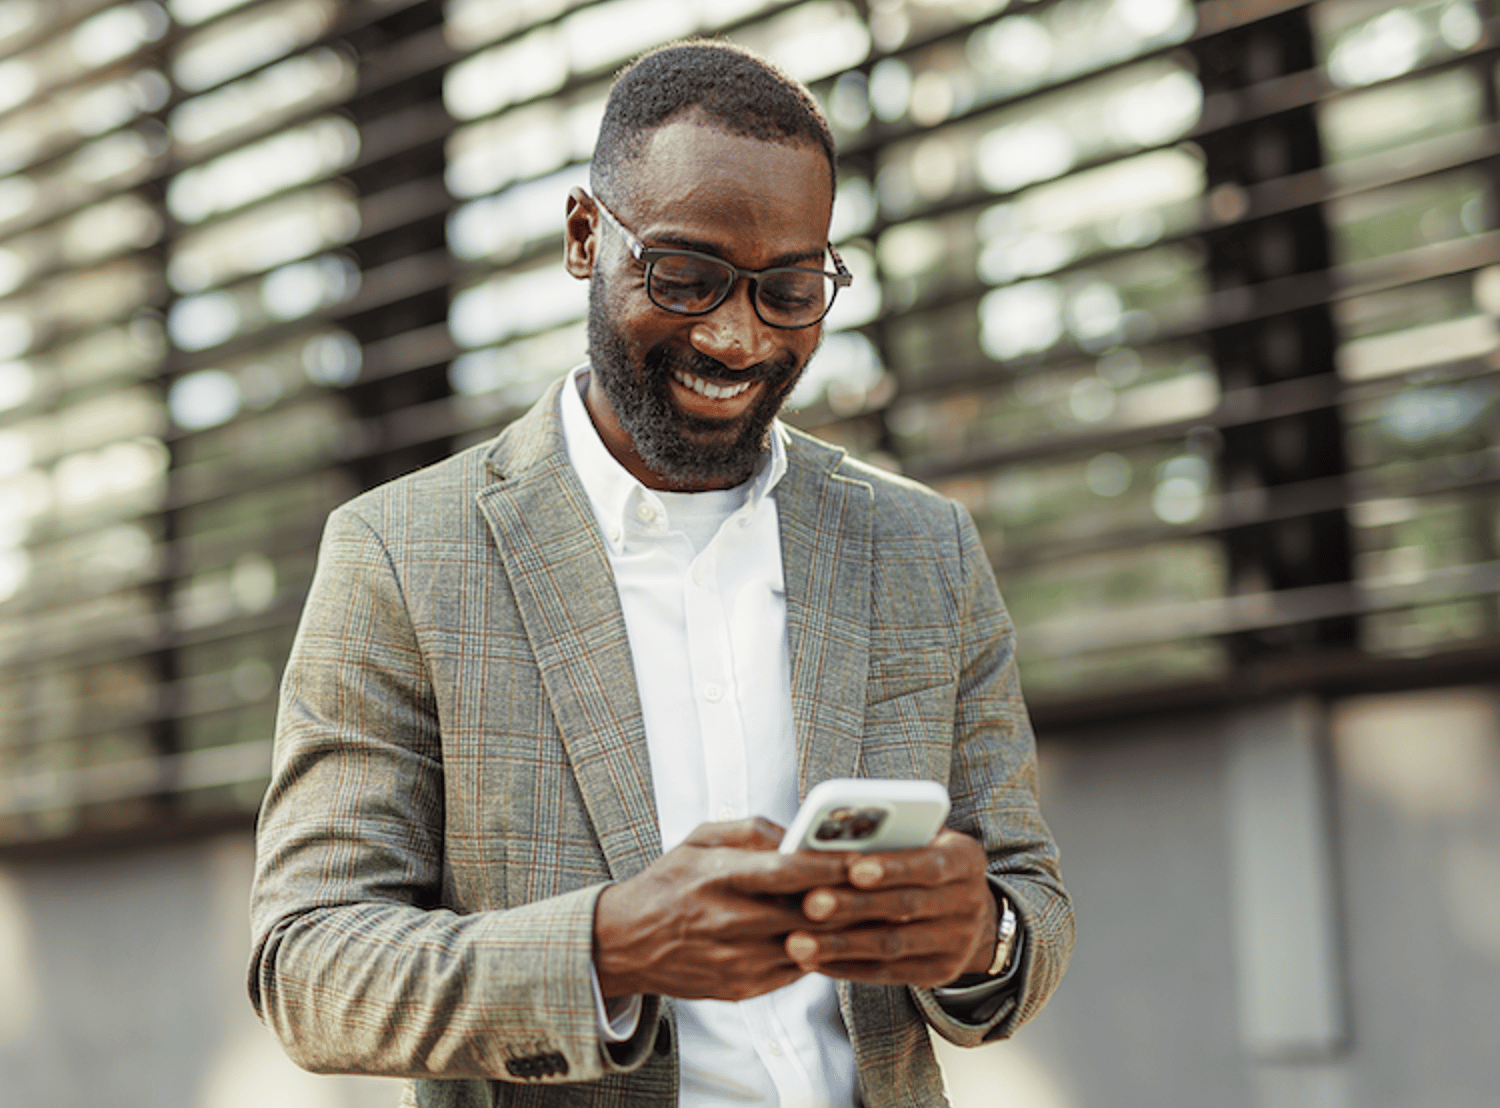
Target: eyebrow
{"x":670,"y":240}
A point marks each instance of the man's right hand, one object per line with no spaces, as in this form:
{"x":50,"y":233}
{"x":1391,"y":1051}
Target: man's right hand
{"x":708,"y":920}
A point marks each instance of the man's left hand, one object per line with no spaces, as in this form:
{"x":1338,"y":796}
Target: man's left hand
{"x":915,"y":917}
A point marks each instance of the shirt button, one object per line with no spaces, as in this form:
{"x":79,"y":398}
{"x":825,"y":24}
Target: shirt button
{"x":726,"y":813}
{"x":698,"y":575}
{"x":614,"y":534}
{"x":712,"y":693}
{"x":774,"y":1047}
{"x":646,"y":511}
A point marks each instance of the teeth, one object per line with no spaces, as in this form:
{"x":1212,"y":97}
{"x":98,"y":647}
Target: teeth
{"x":708,"y":389}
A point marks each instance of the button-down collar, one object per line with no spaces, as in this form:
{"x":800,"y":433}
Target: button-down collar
{"x":622,"y":505}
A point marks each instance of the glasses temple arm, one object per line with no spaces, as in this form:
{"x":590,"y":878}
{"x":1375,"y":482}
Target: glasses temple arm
{"x":843,"y":277}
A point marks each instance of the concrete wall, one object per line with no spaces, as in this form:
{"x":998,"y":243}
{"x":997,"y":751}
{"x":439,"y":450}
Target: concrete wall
{"x":122,"y":984}
{"x":1153,"y":1011}
{"x":1214,"y":967}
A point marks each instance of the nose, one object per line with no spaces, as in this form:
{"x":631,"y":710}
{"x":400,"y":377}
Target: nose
{"x":732,"y":333}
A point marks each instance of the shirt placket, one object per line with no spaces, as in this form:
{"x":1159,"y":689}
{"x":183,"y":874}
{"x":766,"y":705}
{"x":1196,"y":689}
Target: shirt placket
{"x":767,"y":1032}
{"x":777,"y":1052}
{"x":716,"y":694}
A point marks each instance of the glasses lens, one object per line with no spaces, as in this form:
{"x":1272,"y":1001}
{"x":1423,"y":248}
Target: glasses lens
{"x":686,"y":283}
{"x":795,"y":297}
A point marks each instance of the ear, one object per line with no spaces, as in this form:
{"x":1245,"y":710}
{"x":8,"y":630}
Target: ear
{"x":581,"y":229}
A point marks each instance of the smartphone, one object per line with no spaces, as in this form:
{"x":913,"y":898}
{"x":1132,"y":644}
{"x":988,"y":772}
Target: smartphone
{"x":867,"y":814}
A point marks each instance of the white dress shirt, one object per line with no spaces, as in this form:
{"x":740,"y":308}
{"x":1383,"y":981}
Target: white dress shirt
{"x":700,"y":584}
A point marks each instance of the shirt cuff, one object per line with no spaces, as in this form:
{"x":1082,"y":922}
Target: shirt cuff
{"x":620,"y":1018}
{"x":965,"y":1001}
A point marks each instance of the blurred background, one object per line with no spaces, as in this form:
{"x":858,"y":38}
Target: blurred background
{"x":1194,"y":307}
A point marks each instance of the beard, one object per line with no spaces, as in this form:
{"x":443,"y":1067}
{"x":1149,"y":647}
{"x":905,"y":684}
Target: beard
{"x":681,"y":448}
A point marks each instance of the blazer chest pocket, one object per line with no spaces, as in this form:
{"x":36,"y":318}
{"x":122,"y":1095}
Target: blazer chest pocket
{"x":909,"y":711}
{"x":897,"y":675}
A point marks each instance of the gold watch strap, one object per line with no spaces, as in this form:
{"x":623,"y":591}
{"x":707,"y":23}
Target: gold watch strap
{"x":1005,"y":943}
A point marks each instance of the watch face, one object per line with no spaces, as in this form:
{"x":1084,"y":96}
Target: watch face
{"x":1007,"y":924}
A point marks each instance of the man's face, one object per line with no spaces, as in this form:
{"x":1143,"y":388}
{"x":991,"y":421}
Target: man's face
{"x":684,"y":402}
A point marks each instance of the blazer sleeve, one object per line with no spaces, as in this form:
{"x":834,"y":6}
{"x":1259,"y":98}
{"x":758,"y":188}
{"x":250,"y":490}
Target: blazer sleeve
{"x":357,"y":965}
{"x":993,"y":785}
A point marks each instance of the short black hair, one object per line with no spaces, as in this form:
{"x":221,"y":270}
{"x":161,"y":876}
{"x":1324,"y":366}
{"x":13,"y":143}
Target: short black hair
{"x":734,"y":88}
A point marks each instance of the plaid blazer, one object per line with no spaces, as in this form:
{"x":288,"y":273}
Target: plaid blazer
{"x":460,"y":765}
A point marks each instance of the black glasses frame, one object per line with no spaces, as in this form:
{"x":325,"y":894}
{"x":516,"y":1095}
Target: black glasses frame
{"x":650,"y":255}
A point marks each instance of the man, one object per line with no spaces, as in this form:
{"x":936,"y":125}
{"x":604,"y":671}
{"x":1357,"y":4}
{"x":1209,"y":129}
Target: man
{"x":649,"y":616}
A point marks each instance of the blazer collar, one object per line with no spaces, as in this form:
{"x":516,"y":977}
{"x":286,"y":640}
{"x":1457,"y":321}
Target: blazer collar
{"x":531,"y":441}
{"x":826,"y":521}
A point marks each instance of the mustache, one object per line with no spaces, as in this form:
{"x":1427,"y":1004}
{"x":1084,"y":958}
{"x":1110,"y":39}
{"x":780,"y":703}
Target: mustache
{"x":709,"y":368}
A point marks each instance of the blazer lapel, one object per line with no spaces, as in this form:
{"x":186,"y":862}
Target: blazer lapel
{"x":825,"y":542}
{"x":565,"y":592}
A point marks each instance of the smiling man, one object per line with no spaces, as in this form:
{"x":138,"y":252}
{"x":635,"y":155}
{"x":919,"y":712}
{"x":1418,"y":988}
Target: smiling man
{"x":552,"y":700}
{"x":688,"y":378}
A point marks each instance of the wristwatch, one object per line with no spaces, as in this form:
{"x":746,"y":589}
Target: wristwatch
{"x":1005,"y":943}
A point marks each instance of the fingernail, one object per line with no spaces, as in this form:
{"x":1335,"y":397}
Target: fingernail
{"x":867,"y":871}
{"x":801,"y":947}
{"x":821,"y":905}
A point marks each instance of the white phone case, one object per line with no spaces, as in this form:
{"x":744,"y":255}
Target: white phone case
{"x":868,"y":815}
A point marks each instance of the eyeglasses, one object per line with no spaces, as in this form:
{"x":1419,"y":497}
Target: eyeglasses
{"x":689,"y":283}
